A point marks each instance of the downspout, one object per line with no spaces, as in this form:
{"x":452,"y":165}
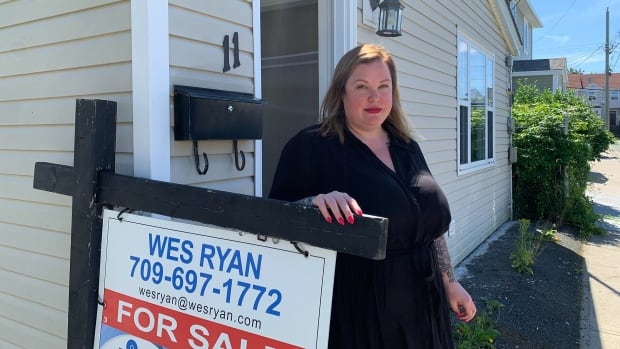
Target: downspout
{"x":511,"y":129}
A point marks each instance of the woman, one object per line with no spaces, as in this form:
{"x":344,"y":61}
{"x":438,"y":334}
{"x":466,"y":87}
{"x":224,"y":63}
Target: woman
{"x":360,"y":157}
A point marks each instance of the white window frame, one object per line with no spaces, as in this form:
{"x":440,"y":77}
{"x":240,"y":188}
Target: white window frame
{"x":489,"y":158}
{"x":614,"y":95}
{"x":591,"y":95}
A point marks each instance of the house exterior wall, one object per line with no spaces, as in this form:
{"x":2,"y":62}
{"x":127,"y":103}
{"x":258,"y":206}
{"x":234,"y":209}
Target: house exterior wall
{"x":86,"y":48}
{"x":50,"y":54}
{"x":426,"y":58}
{"x":525,"y":22}
{"x":591,"y":87}
{"x":196,"y":59}
{"x":526,"y":51}
{"x":596,"y":97}
{"x":560,"y":81}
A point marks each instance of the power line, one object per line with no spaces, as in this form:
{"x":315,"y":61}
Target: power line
{"x":612,"y":48}
{"x":562,"y":17}
{"x":599,"y":50}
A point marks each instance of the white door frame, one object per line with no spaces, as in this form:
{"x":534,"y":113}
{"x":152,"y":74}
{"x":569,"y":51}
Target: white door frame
{"x":337,"y":35}
{"x":150,"y":79}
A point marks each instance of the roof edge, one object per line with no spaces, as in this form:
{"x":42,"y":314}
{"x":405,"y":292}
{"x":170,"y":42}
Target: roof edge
{"x":503,"y":17}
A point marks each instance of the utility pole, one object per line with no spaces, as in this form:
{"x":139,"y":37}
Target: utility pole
{"x":606,"y":116}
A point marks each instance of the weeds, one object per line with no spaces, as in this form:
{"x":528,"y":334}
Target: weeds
{"x":528,"y":246}
{"x":481,"y":331}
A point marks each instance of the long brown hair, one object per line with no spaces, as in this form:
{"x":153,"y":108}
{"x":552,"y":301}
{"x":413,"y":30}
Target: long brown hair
{"x":332,"y":108}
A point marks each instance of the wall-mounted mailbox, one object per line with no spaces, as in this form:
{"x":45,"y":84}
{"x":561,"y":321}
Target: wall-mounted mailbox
{"x":201,"y":114}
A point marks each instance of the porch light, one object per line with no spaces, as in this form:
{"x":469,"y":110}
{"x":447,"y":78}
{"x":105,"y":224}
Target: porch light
{"x":390,"y":17}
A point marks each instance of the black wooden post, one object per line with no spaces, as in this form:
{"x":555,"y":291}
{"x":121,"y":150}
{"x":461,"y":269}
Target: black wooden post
{"x":95,"y":140}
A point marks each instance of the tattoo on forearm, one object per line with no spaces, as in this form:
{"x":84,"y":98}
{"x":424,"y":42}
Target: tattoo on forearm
{"x":443,"y":257}
{"x":306,"y":201}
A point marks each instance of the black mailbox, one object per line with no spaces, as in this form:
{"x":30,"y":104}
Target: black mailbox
{"x":202,"y":113}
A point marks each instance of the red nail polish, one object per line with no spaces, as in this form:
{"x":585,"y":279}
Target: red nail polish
{"x":350,"y":219}
{"x":329,"y":220}
{"x":341,"y":220}
{"x":359,"y":212}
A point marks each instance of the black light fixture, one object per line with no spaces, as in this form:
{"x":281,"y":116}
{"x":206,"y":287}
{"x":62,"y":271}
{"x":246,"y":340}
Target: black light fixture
{"x":390,"y":17}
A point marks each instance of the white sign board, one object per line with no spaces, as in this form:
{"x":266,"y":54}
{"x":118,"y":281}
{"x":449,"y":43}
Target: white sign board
{"x":167,"y":284}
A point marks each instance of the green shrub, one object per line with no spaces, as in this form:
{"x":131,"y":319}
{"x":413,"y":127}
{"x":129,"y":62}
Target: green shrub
{"x":546,"y":156}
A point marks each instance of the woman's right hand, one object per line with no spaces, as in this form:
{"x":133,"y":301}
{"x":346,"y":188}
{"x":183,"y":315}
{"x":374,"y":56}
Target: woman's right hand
{"x":340,"y":205}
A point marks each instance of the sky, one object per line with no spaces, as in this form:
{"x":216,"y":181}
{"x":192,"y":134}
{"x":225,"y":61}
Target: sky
{"x":575,"y":29}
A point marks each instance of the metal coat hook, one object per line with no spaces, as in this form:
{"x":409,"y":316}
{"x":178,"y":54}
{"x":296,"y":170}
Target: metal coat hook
{"x":237,"y":154}
{"x":197,"y":160}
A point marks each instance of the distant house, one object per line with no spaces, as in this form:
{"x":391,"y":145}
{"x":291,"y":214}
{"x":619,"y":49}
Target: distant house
{"x":525,"y":21}
{"x":592,"y":88}
{"x":549,"y":73}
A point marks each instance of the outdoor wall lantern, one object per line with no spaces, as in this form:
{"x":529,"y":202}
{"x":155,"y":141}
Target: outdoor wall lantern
{"x":390,"y":17}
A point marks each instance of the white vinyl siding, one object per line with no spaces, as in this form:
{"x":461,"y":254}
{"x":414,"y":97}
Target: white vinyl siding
{"x":426,"y":57}
{"x":197,"y":30}
{"x":51,"y":53}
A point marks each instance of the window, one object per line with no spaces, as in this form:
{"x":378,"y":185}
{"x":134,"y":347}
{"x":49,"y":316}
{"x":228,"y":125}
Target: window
{"x":513,"y":8}
{"x":614,"y":94}
{"x":476,"y":106}
{"x":591,"y":95}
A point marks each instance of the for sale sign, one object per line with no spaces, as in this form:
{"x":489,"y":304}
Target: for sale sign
{"x":167,"y":284}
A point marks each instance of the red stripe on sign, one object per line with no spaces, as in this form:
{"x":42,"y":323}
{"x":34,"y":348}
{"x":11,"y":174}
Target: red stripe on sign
{"x":173,"y":329}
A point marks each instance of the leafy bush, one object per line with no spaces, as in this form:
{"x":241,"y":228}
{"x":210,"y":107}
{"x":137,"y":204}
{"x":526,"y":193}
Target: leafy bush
{"x":547,"y":156}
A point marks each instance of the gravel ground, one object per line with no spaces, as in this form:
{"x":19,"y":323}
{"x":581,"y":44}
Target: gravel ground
{"x":540,"y":310}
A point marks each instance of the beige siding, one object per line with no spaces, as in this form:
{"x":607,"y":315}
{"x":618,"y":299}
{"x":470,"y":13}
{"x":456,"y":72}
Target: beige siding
{"x":197,"y":30}
{"x":426,"y":56}
{"x":51,"y":53}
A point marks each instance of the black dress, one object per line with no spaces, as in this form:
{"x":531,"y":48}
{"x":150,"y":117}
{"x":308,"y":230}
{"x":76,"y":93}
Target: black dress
{"x":394,"y":303}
